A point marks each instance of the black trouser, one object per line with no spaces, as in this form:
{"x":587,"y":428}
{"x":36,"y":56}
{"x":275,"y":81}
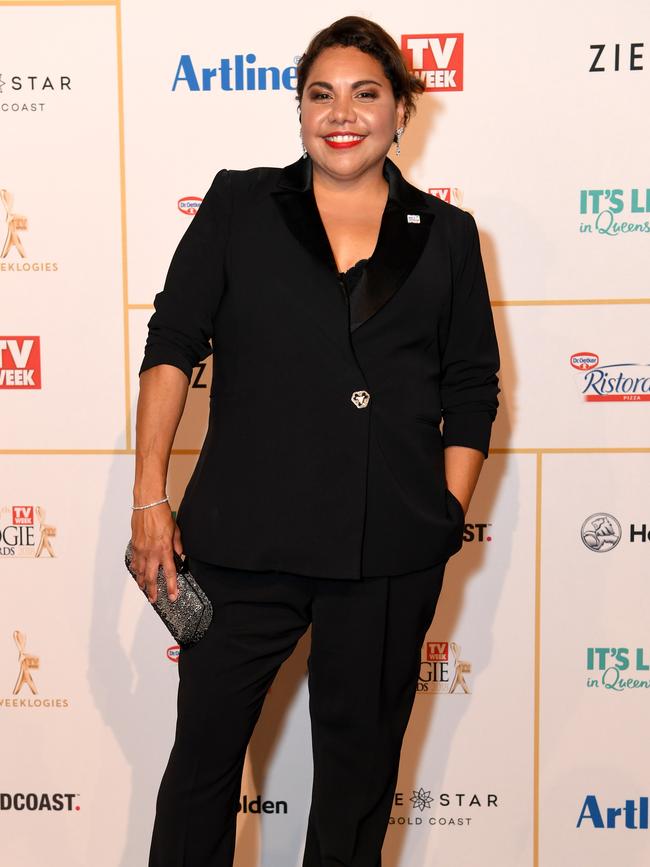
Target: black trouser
{"x":363,"y":671}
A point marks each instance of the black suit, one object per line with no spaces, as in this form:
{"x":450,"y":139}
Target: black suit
{"x":303,"y":479}
{"x":294,"y":474}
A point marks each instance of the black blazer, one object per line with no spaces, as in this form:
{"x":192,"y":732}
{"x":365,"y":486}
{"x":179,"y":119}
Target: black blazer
{"x":324,"y":455}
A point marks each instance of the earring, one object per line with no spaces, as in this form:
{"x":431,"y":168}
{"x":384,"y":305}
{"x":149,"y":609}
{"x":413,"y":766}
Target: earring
{"x":304,"y":149}
{"x":398,"y":134}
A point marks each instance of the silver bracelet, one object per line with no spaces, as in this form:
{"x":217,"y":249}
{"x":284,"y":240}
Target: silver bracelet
{"x":149,"y":505}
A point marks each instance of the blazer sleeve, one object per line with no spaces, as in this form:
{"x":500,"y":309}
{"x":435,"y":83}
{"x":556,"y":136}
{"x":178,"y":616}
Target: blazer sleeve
{"x":182,"y":325}
{"x":470,"y":358}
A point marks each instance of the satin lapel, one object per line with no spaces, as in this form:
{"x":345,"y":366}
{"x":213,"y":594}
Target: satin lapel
{"x":402,"y":237}
{"x":300,"y":213}
{"x":399,"y":247}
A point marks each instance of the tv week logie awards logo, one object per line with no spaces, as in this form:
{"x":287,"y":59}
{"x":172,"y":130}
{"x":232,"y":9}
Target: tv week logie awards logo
{"x":13,"y":253}
{"x":20,"y":362}
{"x":25,"y":532}
{"x":25,"y":693}
{"x":436,"y":59}
{"x":442,"y":672}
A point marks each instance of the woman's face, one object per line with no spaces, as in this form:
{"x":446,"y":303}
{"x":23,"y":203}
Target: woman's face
{"x":348,"y":112}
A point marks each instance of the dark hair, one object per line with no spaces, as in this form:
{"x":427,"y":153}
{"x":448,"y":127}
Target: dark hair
{"x":372,"y":39}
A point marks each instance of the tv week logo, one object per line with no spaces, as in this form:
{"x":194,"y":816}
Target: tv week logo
{"x":20,"y":362}
{"x":437,"y":59}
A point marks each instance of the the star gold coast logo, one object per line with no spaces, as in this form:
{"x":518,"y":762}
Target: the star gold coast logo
{"x":28,"y":662}
{"x":24,"y":532}
{"x":13,"y":255}
{"x":47,"y":89}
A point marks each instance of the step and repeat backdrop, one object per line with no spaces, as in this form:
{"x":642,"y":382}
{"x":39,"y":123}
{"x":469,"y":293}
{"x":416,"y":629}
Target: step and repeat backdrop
{"x":527,"y":741}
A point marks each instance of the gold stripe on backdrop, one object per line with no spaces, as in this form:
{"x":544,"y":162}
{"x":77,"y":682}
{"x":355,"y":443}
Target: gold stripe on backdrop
{"x":537,"y":657}
{"x":125,"y":276}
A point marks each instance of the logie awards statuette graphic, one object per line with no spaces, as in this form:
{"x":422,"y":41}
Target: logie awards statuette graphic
{"x":25,"y":662}
{"x":15,"y":223}
{"x":462,"y":667}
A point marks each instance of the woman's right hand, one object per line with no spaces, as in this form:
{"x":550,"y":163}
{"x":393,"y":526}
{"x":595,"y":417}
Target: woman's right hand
{"x":154,"y":538}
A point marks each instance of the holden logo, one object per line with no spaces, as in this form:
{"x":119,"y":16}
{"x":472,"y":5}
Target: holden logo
{"x":601,"y":532}
{"x":189,"y":205}
{"x":584,"y":360}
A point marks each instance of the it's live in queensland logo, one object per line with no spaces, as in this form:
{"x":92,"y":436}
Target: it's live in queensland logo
{"x":241,"y":72}
{"x":626,"y":381}
{"x":618,"y":669}
{"x":614,"y":212}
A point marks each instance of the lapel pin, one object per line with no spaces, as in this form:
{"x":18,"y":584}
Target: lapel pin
{"x":413,"y":218}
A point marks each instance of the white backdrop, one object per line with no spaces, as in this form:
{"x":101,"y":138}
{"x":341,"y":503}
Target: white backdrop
{"x":544,"y":610}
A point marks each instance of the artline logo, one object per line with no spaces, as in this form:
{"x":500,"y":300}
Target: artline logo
{"x":51,"y":802}
{"x":631,"y":816}
{"x":13,"y":242}
{"x":173,"y":653}
{"x":20,"y":362}
{"x":435,"y":58}
{"x":258,"y":805}
{"x":603,"y":207}
{"x":238,"y":73}
{"x":615,"y":665}
{"x":19,"y":536}
{"x":436,"y":675}
{"x":189,"y":205}
{"x":422,"y":800}
{"x":21,"y":86}
{"x":625,"y":382}
{"x":27,"y":662}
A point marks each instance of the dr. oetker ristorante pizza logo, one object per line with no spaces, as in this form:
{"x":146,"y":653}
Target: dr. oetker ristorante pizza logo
{"x":627,"y":381}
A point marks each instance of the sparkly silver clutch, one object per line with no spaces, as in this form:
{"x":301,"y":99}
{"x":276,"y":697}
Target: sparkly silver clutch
{"x":190,"y":615}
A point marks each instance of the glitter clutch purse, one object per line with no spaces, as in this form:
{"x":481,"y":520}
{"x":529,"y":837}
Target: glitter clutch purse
{"x":190,"y":615}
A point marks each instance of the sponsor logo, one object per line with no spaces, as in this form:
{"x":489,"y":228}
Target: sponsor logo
{"x":50,"y":802}
{"x":31,"y":93}
{"x":633,"y":815}
{"x":616,"y":57}
{"x":28,"y":662}
{"x":615,"y":212}
{"x":259,"y":805}
{"x":626,"y":382}
{"x":20,"y":362}
{"x":232,"y":74}
{"x":25,"y":533}
{"x":13,"y":248}
{"x":455,"y":810}
{"x":436,"y":58}
{"x":584,"y":360}
{"x":173,"y":653}
{"x":477,"y":532}
{"x":614,"y":667}
{"x":601,"y":532}
{"x":189,"y":205}
{"x":451,"y":195}
{"x":439,"y":673}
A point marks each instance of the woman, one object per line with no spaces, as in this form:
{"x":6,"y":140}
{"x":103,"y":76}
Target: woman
{"x":348,"y":315}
